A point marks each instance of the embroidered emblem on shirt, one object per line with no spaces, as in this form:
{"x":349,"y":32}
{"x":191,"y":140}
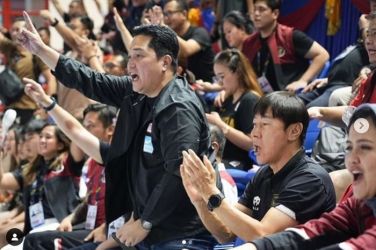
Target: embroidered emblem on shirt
{"x":256,"y":203}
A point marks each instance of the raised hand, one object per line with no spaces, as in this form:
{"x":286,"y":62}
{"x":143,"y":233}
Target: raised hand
{"x":35,"y":91}
{"x":29,"y":37}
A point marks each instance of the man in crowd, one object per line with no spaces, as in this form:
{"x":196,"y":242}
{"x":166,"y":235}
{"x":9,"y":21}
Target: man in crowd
{"x":159,"y":117}
{"x":289,"y":190}
{"x":88,"y":219}
{"x":282,"y":57}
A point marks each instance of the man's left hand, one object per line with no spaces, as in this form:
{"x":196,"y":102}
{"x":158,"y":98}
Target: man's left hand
{"x":201,"y":173}
{"x":132,"y":233}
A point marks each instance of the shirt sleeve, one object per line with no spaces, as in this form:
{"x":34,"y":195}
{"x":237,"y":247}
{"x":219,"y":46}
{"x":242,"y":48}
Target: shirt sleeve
{"x":303,"y":197}
{"x":302,"y":43}
{"x":246,"y":198}
{"x":19,"y":177}
{"x":101,"y":87}
{"x":104,"y":148}
{"x":180,"y":129}
{"x":244,"y":114}
{"x":201,"y":36}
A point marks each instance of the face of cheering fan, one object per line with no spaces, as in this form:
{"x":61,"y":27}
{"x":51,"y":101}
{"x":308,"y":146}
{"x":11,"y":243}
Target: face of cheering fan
{"x":360,"y":160}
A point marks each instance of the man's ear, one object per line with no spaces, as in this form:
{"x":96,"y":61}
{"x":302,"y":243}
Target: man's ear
{"x":276,"y":13}
{"x":110,"y":131}
{"x":166,"y":62}
{"x":215,"y":146}
{"x":294,"y":131}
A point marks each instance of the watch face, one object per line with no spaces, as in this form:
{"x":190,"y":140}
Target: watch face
{"x":215,"y":201}
{"x":146,"y":225}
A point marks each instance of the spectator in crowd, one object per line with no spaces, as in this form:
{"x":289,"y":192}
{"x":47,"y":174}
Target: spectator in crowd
{"x":70,"y":233}
{"x":222,"y":8}
{"x":76,"y":9}
{"x":351,"y":225}
{"x":14,"y":217}
{"x":24,"y":64}
{"x":218,"y":141}
{"x":236,"y":29}
{"x":80,"y":29}
{"x":159,"y":117}
{"x":282,"y":57}
{"x":289,"y":190}
{"x":41,"y":181}
{"x":235,"y":115}
{"x":367,"y":90}
{"x":195,"y":53}
{"x":343,"y":72}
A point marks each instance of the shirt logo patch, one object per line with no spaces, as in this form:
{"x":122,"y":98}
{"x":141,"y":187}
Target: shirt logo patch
{"x":281,"y":52}
{"x":256,"y":203}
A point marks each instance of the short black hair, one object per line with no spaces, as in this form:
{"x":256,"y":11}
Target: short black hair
{"x":285,"y":106}
{"x":273,"y":4}
{"x":163,"y":41}
{"x":182,"y":4}
{"x":237,"y":19}
{"x":106,"y":113}
{"x":34,"y":126}
{"x":88,"y":23}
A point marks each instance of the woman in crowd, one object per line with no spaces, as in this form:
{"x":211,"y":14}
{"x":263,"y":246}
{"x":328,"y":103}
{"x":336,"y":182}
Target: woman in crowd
{"x":236,"y":28}
{"x":235,"y":116}
{"x":14,"y":216}
{"x":352,"y":224}
{"x":52,"y":171}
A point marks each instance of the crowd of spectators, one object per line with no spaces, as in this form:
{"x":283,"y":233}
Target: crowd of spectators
{"x":127,"y":137}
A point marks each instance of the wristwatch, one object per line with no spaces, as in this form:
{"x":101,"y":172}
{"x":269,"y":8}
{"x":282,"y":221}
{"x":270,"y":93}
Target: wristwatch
{"x":215,"y":201}
{"x":146,"y":225}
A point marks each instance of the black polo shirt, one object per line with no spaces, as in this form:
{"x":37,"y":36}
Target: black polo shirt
{"x":302,"y":189}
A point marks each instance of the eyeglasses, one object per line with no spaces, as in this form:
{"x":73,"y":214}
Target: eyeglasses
{"x":170,"y":13}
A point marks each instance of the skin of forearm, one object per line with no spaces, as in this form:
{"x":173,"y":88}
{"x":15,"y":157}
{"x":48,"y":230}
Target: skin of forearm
{"x":68,"y":35}
{"x":49,"y":56}
{"x":241,"y":224}
{"x":239,"y":139}
{"x":19,"y":218}
{"x":220,"y":232}
{"x":96,"y":64}
{"x":333,"y":115}
{"x":314,"y":68}
{"x":126,"y":36}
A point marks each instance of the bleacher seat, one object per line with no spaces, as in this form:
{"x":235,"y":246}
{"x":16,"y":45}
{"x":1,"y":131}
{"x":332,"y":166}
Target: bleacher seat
{"x":313,"y":131}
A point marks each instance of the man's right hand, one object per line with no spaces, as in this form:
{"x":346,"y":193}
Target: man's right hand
{"x":29,"y":37}
{"x":35,"y":91}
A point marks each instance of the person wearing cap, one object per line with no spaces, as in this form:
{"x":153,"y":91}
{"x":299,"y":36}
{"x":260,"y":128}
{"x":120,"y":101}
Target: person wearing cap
{"x":352,"y":224}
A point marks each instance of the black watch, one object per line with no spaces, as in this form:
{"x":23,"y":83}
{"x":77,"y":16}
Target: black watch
{"x":146,"y":225}
{"x":215,"y":201}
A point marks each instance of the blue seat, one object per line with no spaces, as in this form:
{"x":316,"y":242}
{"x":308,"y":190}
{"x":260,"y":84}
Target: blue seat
{"x":241,"y":178}
{"x":313,"y":131}
{"x":325,"y":70}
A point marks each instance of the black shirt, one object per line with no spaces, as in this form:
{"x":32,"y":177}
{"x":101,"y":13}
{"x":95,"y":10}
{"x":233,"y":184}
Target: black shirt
{"x":238,"y":115}
{"x":302,"y":189}
{"x":291,"y":72}
{"x":143,"y":160}
{"x":200,"y":63}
